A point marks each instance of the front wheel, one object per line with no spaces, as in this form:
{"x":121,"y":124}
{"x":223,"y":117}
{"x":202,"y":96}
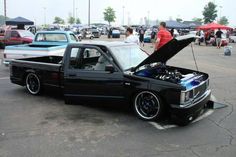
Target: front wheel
{"x":33,"y":84}
{"x":148,"y":106}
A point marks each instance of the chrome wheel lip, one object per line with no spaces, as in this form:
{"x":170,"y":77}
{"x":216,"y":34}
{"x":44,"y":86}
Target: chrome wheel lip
{"x":136,"y":105}
{"x":28,"y":84}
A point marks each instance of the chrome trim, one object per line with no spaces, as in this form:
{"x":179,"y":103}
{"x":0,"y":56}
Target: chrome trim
{"x":196,"y":86}
{"x":182,"y":94}
{"x":193,"y":102}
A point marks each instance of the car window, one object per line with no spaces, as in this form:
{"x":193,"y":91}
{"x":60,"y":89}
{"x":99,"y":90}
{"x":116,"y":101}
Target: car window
{"x":73,"y":38}
{"x":14,"y":34}
{"x":74,"y":60}
{"x":51,"y":37}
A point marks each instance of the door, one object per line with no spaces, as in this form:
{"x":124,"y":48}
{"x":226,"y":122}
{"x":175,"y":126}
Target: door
{"x":15,"y":38}
{"x":85,"y":76}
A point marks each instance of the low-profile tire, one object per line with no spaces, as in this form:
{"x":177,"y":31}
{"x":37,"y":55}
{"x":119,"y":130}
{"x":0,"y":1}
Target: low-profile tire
{"x":148,"y":106}
{"x":33,"y":84}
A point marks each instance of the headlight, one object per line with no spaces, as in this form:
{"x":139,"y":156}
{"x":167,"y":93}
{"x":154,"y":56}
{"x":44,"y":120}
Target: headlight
{"x":186,"y":96}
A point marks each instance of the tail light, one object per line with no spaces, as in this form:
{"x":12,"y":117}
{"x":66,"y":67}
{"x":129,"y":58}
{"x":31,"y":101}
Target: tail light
{"x":4,"y":55}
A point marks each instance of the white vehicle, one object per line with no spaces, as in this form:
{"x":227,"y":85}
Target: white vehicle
{"x":232,"y":38}
{"x":45,"y":43}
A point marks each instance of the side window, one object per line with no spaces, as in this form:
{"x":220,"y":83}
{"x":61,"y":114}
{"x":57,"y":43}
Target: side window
{"x":74,"y":62}
{"x":73,"y":37}
{"x":14,"y":34}
{"x":93,"y":60}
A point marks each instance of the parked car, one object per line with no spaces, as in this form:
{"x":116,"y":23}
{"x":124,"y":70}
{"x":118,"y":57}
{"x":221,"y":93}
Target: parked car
{"x":85,"y":33}
{"x":147,"y":36}
{"x":115,"y":33}
{"x":45,"y":43}
{"x":95,"y":32}
{"x":232,"y":38}
{"x":121,"y":73}
{"x":16,"y":37}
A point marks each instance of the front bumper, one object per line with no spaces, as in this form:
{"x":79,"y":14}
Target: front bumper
{"x":184,"y":115}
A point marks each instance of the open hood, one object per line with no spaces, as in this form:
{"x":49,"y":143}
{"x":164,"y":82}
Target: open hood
{"x":168,"y":50}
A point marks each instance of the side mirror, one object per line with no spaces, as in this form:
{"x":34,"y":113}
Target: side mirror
{"x":110,"y":68}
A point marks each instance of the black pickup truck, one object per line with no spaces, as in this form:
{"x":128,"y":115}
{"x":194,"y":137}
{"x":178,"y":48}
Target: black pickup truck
{"x":120,"y":72}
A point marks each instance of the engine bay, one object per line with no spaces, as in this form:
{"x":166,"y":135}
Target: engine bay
{"x":171,"y":74}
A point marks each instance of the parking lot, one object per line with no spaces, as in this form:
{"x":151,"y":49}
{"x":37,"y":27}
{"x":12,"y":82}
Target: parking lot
{"x":43,"y":126}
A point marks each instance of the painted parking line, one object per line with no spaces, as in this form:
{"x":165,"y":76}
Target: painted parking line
{"x":213,"y":98}
{"x":4,"y":78}
{"x":160,"y":126}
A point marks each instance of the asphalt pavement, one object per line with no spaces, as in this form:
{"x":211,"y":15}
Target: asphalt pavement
{"x":43,"y":126}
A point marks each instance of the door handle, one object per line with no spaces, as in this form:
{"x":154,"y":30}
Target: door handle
{"x":72,"y":75}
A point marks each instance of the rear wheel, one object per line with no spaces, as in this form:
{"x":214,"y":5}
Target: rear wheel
{"x":91,"y":37}
{"x":148,"y":106}
{"x":33,"y":84}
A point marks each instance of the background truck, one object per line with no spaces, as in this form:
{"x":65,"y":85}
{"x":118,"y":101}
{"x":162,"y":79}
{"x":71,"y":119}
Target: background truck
{"x":15,"y":37}
{"x":45,"y":43}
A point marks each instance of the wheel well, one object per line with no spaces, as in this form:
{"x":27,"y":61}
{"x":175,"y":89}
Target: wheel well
{"x":155,"y":92}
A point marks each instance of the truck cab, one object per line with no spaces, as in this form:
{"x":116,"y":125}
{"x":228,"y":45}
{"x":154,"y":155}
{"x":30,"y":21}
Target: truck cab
{"x":16,"y":37}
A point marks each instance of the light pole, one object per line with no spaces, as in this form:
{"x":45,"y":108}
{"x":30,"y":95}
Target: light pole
{"x":88,"y":12}
{"x":76,"y":13}
{"x":73,"y":8}
{"x":123,"y":22}
{"x":220,"y":12}
{"x":44,"y":8}
{"x":5,"y":10}
{"x":148,"y":18}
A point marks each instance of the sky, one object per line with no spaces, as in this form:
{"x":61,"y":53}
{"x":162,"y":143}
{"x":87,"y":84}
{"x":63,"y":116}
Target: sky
{"x":133,"y":9}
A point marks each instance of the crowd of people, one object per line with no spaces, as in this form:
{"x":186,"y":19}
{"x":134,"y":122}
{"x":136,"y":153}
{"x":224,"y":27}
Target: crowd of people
{"x":160,"y":38}
{"x":211,"y":37}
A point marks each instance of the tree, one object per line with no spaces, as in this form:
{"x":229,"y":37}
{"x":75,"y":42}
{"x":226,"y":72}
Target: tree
{"x":196,"y":19}
{"x":179,"y":20}
{"x":109,"y":15}
{"x":209,"y":12}
{"x":71,"y":20}
{"x":2,"y":19}
{"x":223,"y":20}
{"x":58,"y":20}
{"x":78,"y":21}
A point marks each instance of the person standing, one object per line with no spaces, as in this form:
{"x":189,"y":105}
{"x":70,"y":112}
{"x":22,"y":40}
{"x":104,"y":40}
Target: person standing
{"x":218,"y":36}
{"x":163,"y":36}
{"x":141,"y":36}
{"x":130,"y":38}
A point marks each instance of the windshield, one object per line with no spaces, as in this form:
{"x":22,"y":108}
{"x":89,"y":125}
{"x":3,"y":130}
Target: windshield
{"x":50,"y":37}
{"x":128,"y":56}
{"x":26,"y":34}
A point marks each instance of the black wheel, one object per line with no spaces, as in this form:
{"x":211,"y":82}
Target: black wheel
{"x":33,"y":84}
{"x":80,"y":38}
{"x":148,"y":106}
{"x":91,"y":37}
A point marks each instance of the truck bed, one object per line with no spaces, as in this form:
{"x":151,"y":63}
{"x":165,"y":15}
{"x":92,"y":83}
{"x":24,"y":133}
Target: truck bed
{"x":47,"y":67}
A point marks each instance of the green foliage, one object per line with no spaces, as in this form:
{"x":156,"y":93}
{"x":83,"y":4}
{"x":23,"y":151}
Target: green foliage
{"x":2,"y":20}
{"x":197,"y":19}
{"x":179,"y":20}
{"x":78,"y":21}
{"x":210,"y":12}
{"x":58,"y":20}
{"x":223,"y":20}
{"x":71,"y":20}
{"x":109,"y":15}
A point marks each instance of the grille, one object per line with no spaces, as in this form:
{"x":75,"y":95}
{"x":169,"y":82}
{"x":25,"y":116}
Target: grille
{"x":200,"y":90}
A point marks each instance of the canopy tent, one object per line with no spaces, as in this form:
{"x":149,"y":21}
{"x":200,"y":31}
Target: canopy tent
{"x":20,"y":22}
{"x":176,"y":25}
{"x":213,"y":26}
